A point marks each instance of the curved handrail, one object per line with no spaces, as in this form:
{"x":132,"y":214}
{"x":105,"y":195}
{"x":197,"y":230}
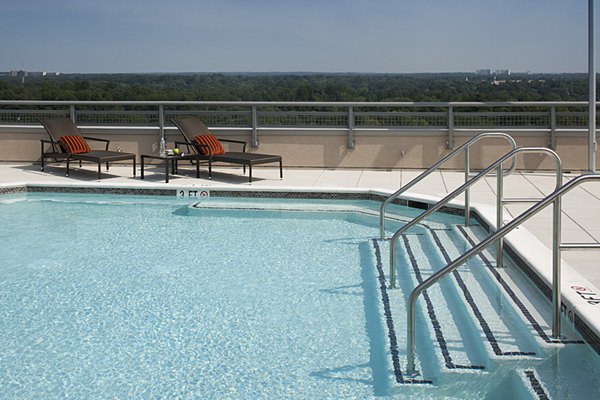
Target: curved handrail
{"x":500,"y":201}
{"x":530,"y":212}
{"x":455,"y":193}
{"x":465,"y":146}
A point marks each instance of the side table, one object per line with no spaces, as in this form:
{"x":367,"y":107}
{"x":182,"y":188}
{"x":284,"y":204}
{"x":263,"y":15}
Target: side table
{"x":171,"y":161}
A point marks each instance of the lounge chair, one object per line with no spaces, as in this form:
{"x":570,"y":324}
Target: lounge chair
{"x":67,"y":143}
{"x":199,"y":138}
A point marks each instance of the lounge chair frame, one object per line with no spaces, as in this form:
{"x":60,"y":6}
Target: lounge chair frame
{"x":192,"y":126}
{"x":64,"y":126}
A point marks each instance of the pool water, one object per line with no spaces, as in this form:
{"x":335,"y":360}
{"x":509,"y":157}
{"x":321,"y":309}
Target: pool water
{"x":136,"y":297}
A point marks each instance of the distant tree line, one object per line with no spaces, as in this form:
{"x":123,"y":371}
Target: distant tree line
{"x":297,"y":87}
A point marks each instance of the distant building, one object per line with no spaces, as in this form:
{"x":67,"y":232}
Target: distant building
{"x":490,"y":72}
{"x":19,"y":74}
{"x":22,"y":74}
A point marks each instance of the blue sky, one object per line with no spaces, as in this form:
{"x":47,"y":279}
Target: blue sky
{"x":396,"y":36}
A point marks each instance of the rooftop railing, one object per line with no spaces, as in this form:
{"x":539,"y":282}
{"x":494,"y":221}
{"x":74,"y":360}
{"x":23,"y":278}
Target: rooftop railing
{"x":444,"y":117}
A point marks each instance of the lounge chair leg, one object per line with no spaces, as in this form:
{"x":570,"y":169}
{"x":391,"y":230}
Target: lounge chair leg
{"x":67,"y":166}
{"x":134,"y":166}
{"x":280,"y":170}
{"x":166,"y":170}
{"x":42,"y":157}
{"x":106,"y":166}
{"x":99,"y":170}
{"x":249,"y":172}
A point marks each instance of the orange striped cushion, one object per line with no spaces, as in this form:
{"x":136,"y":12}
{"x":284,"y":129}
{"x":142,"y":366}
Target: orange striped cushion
{"x":74,"y":144}
{"x":212,"y":142}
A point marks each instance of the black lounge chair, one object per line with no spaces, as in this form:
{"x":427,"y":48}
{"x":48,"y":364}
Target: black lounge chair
{"x":67,"y":143}
{"x":209,"y":148}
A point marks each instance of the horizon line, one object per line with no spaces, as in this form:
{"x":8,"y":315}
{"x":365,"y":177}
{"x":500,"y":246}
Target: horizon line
{"x":300,"y":72}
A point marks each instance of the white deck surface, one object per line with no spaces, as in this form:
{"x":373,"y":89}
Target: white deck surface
{"x":581,"y":208}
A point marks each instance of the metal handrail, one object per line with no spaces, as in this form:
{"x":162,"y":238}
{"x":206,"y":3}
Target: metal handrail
{"x":435,"y":166}
{"x":452,"y":195}
{"x":556,"y":246}
{"x":500,"y":201}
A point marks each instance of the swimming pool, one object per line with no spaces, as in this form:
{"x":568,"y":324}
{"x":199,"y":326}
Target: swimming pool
{"x":138,"y":297}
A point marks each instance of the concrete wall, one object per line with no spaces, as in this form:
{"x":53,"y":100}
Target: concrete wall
{"x":328,"y":149}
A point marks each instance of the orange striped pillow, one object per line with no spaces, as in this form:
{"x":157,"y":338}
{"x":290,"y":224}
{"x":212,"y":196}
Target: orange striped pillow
{"x":211,"y":141}
{"x":74,"y":144}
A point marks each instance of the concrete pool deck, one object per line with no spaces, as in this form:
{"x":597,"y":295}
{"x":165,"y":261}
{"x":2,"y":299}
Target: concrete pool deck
{"x":581,"y":207}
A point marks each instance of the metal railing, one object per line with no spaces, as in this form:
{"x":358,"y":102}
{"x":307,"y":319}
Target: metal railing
{"x":501,"y":201}
{"x":352,"y":117}
{"x":466,"y":147}
{"x":557,"y":245}
{"x":495,"y":165}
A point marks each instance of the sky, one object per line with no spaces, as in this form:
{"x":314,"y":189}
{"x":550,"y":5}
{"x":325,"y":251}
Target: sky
{"x":371,"y":36}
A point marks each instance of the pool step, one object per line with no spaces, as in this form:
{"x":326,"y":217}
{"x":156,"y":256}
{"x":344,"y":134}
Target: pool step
{"x":440,"y":330}
{"x":480,"y":331}
{"x":504,"y":332}
{"x":497,"y":329}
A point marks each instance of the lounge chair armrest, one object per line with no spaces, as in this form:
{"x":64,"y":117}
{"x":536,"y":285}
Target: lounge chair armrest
{"x":56,"y":146}
{"x":235,"y":141}
{"x":98,"y":140}
{"x":49,"y":141}
{"x":187,"y":144}
{"x":196,"y":146}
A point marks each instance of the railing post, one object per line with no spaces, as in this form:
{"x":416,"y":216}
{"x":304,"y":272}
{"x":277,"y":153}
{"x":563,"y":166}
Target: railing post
{"x":254,"y":141}
{"x":411,"y":369}
{"x":351,"y":143}
{"x":557,"y":256}
{"x":556,"y":267}
{"x":499,"y":215}
{"x":467,"y":192}
{"x":591,"y":89}
{"x":450,"y":142}
{"x":553,"y":128}
{"x":72,"y":113}
{"x":161,"y":121}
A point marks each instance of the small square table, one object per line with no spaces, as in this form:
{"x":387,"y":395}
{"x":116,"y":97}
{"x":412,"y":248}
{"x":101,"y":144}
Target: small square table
{"x":171,"y":160}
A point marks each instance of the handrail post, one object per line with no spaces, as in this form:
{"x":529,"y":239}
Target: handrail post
{"x":392,"y":284}
{"x":499,"y":215}
{"x":467,"y":192}
{"x":72,"y":113}
{"x":254,"y":140}
{"x":410,"y":333}
{"x":556,"y":267}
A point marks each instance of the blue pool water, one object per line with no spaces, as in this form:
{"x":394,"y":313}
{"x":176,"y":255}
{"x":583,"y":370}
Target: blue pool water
{"x":133,"y":297}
